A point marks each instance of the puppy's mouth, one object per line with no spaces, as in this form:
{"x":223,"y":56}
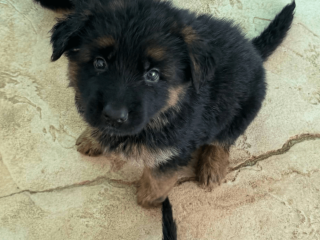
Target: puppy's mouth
{"x":118,"y":131}
{"x":112,"y":129}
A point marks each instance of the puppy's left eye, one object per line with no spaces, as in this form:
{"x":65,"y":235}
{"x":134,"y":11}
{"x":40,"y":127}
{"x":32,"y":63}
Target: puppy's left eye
{"x":99,"y":63}
{"x":152,"y":76}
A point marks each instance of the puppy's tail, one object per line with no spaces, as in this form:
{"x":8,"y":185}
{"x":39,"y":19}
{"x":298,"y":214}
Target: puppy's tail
{"x":56,"y":5}
{"x":274,"y":34}
{"x":169,"y":227}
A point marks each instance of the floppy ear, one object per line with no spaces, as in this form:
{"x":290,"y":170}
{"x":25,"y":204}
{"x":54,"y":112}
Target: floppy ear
{"x":66,"y":35}
{"x":201,"y":59}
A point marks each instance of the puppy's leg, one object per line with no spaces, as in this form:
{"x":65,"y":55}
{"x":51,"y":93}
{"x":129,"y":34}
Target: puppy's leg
{"x":213,"y":162}
{"x":87,"y":144}
{"x":156,"y":183}
{"x":154,"y":186}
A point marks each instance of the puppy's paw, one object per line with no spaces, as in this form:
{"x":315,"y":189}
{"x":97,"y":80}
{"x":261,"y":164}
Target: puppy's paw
{"x":153,"y":188}
{"x":87,"y":145}
{"x":148,"y":197}
{"x":212,"y":166}
{"x":211,"y":175}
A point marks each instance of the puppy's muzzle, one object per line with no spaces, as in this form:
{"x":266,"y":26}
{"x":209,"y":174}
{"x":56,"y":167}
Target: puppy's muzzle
{"x":118,"y":114}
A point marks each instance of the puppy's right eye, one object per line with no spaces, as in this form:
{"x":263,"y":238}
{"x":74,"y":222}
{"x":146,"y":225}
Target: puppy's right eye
{"x":100,"y":64}
{"x":152,"y":76}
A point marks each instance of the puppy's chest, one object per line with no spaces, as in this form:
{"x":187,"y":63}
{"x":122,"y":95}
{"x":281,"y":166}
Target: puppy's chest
{"x":138,"y":150}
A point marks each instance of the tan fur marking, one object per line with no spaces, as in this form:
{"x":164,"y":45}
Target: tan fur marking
{"x":85,"y":55}
{"x":188,"y":172}
{"x":189,"y":34}
{"x":213,"y":162}
{"x":62,"y":11}
{"x":105,"y":41}
{"x":73,"y":72}
{"x":158,"y":122}
{"x":137,"y":153}
{"x":87,"y":143}
{"x":157,"y":53}
{"x":153,"y":187}
{"x":174,"y":95}
{"x":196,"y":67}
{"x":141,"y":154}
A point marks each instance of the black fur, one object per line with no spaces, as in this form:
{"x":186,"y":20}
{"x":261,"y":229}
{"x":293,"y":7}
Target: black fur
{"x":169,"y":227}
{"x":274,"y":34}
{"x":56,"y":4}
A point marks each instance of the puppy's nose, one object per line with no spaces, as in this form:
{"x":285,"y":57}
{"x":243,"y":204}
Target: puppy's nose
{"x":117,"y":114}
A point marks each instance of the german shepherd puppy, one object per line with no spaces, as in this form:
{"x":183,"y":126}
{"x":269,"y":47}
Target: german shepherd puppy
{"x":161,"y":85}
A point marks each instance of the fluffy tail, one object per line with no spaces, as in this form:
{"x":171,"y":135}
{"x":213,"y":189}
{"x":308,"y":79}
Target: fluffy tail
{"x":169,"y":227}
{"x":56,"y":5}
{"x":274,"y":34}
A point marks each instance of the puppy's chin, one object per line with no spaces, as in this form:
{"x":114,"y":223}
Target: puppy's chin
{"x":120,"y":131}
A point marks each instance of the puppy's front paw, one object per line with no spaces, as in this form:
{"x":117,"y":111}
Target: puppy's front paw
{"x":153,"y":190}
{"x":212,"y":166}
{"x":147,"y":198}
{"x":211,"y":175}
{"x":88,"y":145}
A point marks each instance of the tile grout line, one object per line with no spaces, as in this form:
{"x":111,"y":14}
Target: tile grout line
{"x":285,"y":148}
{"x":97,"y":181}
{"x":250,"y":162}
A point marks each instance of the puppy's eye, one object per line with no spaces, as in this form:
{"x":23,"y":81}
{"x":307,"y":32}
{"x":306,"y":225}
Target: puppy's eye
{"x":99,"y":63}
{"x":152,"y":76}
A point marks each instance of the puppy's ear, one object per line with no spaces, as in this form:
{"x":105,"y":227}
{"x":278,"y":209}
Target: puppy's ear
{"x":66,"y":35}
{"x":202,"y":61}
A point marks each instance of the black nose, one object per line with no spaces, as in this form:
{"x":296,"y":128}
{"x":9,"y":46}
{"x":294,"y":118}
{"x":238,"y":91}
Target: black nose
{"x":119,"y":114}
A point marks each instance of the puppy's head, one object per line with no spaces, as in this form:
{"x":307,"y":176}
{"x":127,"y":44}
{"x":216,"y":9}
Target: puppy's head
{"x":129,"y":61}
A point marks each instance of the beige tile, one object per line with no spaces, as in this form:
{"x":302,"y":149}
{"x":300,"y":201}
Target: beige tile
{"x":277,"y":198}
